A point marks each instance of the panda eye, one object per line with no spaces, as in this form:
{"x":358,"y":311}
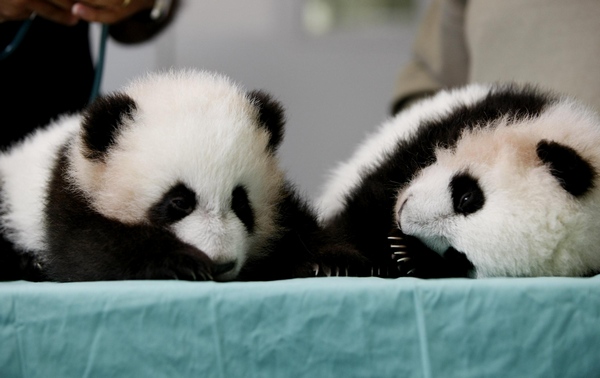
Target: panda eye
{"x":467,"y":196}
{"x":176,"y":204}
{"x":183,"y":205}
{"x":465,"y":200}
{"x":240,"y":204}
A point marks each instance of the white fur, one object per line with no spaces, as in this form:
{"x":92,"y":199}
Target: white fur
{"x":529,"y":225}
{"x":199,"y":129}
{"x":192,"y":127}
{"x":24,"y":178}
{"x":373,"y":151}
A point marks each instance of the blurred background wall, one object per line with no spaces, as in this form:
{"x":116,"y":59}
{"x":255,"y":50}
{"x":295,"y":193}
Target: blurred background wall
{"x":332,"y":63}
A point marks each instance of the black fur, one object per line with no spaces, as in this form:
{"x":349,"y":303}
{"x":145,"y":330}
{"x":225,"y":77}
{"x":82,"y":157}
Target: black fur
{"x":176,"y":204}
{"x":425,"y":263}
{"x":573,"y":172}
{"x":102,"y":121}
{"x":17,"y":266}
{"x":368,"y":216}
{"x":240,"y":204}
{"x":302,"y":246}
{"x":271,"y":117}
{"x":83,"y":245}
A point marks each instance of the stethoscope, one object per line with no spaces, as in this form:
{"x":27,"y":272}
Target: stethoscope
{"x":99,"y":68}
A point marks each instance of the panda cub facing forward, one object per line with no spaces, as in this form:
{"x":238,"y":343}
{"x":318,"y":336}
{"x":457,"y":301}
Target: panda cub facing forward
{"x":175,"y":176}
{"x":480,"y":181}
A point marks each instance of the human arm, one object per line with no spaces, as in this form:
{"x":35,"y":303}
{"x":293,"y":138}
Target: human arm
{"x":131,"y":21}
{"x":58,"y":11}
{"x":439,"y":58}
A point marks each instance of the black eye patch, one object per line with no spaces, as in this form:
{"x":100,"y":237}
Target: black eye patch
{"x":240,"y":204}
{"x":467,"y":196}
{"x":176,"y":204}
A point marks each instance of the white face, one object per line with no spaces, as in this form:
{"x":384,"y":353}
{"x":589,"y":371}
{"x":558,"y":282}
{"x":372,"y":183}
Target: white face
{"x":494,"y":200}
{"x":197,"y":134}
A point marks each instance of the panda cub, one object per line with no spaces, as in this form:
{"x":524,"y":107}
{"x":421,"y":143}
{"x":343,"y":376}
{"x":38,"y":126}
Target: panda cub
{"x":175,"y":176}
{"x":481,"y":181}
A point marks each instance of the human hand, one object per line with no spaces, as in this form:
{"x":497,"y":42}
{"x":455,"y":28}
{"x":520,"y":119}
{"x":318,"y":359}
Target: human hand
{"x":58,"y":11}
{"x":109,"y":11}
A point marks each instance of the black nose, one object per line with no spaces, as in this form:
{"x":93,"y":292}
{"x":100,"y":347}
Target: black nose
{"x":219,"y":269}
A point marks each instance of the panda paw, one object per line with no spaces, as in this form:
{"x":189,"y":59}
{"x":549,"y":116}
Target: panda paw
{"x":409,"y":255}
{"x":322,"y":270}
{"x":343,"y":260}
{"x":413,"y":259}
{"x":186,"y":263}
{"x":363,"y":270}
{"x":401,"y":255}
{"x":359,"y":268}
{"x":339,"y":260}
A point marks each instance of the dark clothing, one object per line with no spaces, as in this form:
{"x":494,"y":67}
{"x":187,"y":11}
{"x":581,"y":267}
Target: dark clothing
{"x":51,"y":72}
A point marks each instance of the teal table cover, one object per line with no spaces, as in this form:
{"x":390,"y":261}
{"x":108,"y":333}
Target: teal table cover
{"x":316,"y":327}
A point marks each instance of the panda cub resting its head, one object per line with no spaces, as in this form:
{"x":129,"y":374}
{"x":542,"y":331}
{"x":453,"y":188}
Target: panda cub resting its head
{"x":175,"y":176}
{"x":481,"y":181}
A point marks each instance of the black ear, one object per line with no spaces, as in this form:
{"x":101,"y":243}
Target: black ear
{"x":271,"y":116}
{"x":102,"y":120}
{"x":573,"y":173}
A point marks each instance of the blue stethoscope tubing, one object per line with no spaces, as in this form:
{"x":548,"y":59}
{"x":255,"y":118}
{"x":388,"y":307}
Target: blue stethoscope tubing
{"x":12,"y":46}
{"x":99,"y":68}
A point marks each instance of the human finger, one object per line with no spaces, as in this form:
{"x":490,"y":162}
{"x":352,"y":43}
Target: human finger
{"x":52,"y":12}
{"x":100,"y":4}
{"x":108,"y":15}
{"x":62,"y":4}
{"x":15,"y":10}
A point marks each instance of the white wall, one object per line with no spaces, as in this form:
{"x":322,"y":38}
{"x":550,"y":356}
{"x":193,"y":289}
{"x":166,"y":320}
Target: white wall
{"x":335,"y":87}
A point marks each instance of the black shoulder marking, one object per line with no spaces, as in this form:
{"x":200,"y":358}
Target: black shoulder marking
{"x":574,"y":173}
{"x":271,"y":116}
{"x":467,"y":196}
{"x":508,"y":102}
{"x":102,"y":120}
